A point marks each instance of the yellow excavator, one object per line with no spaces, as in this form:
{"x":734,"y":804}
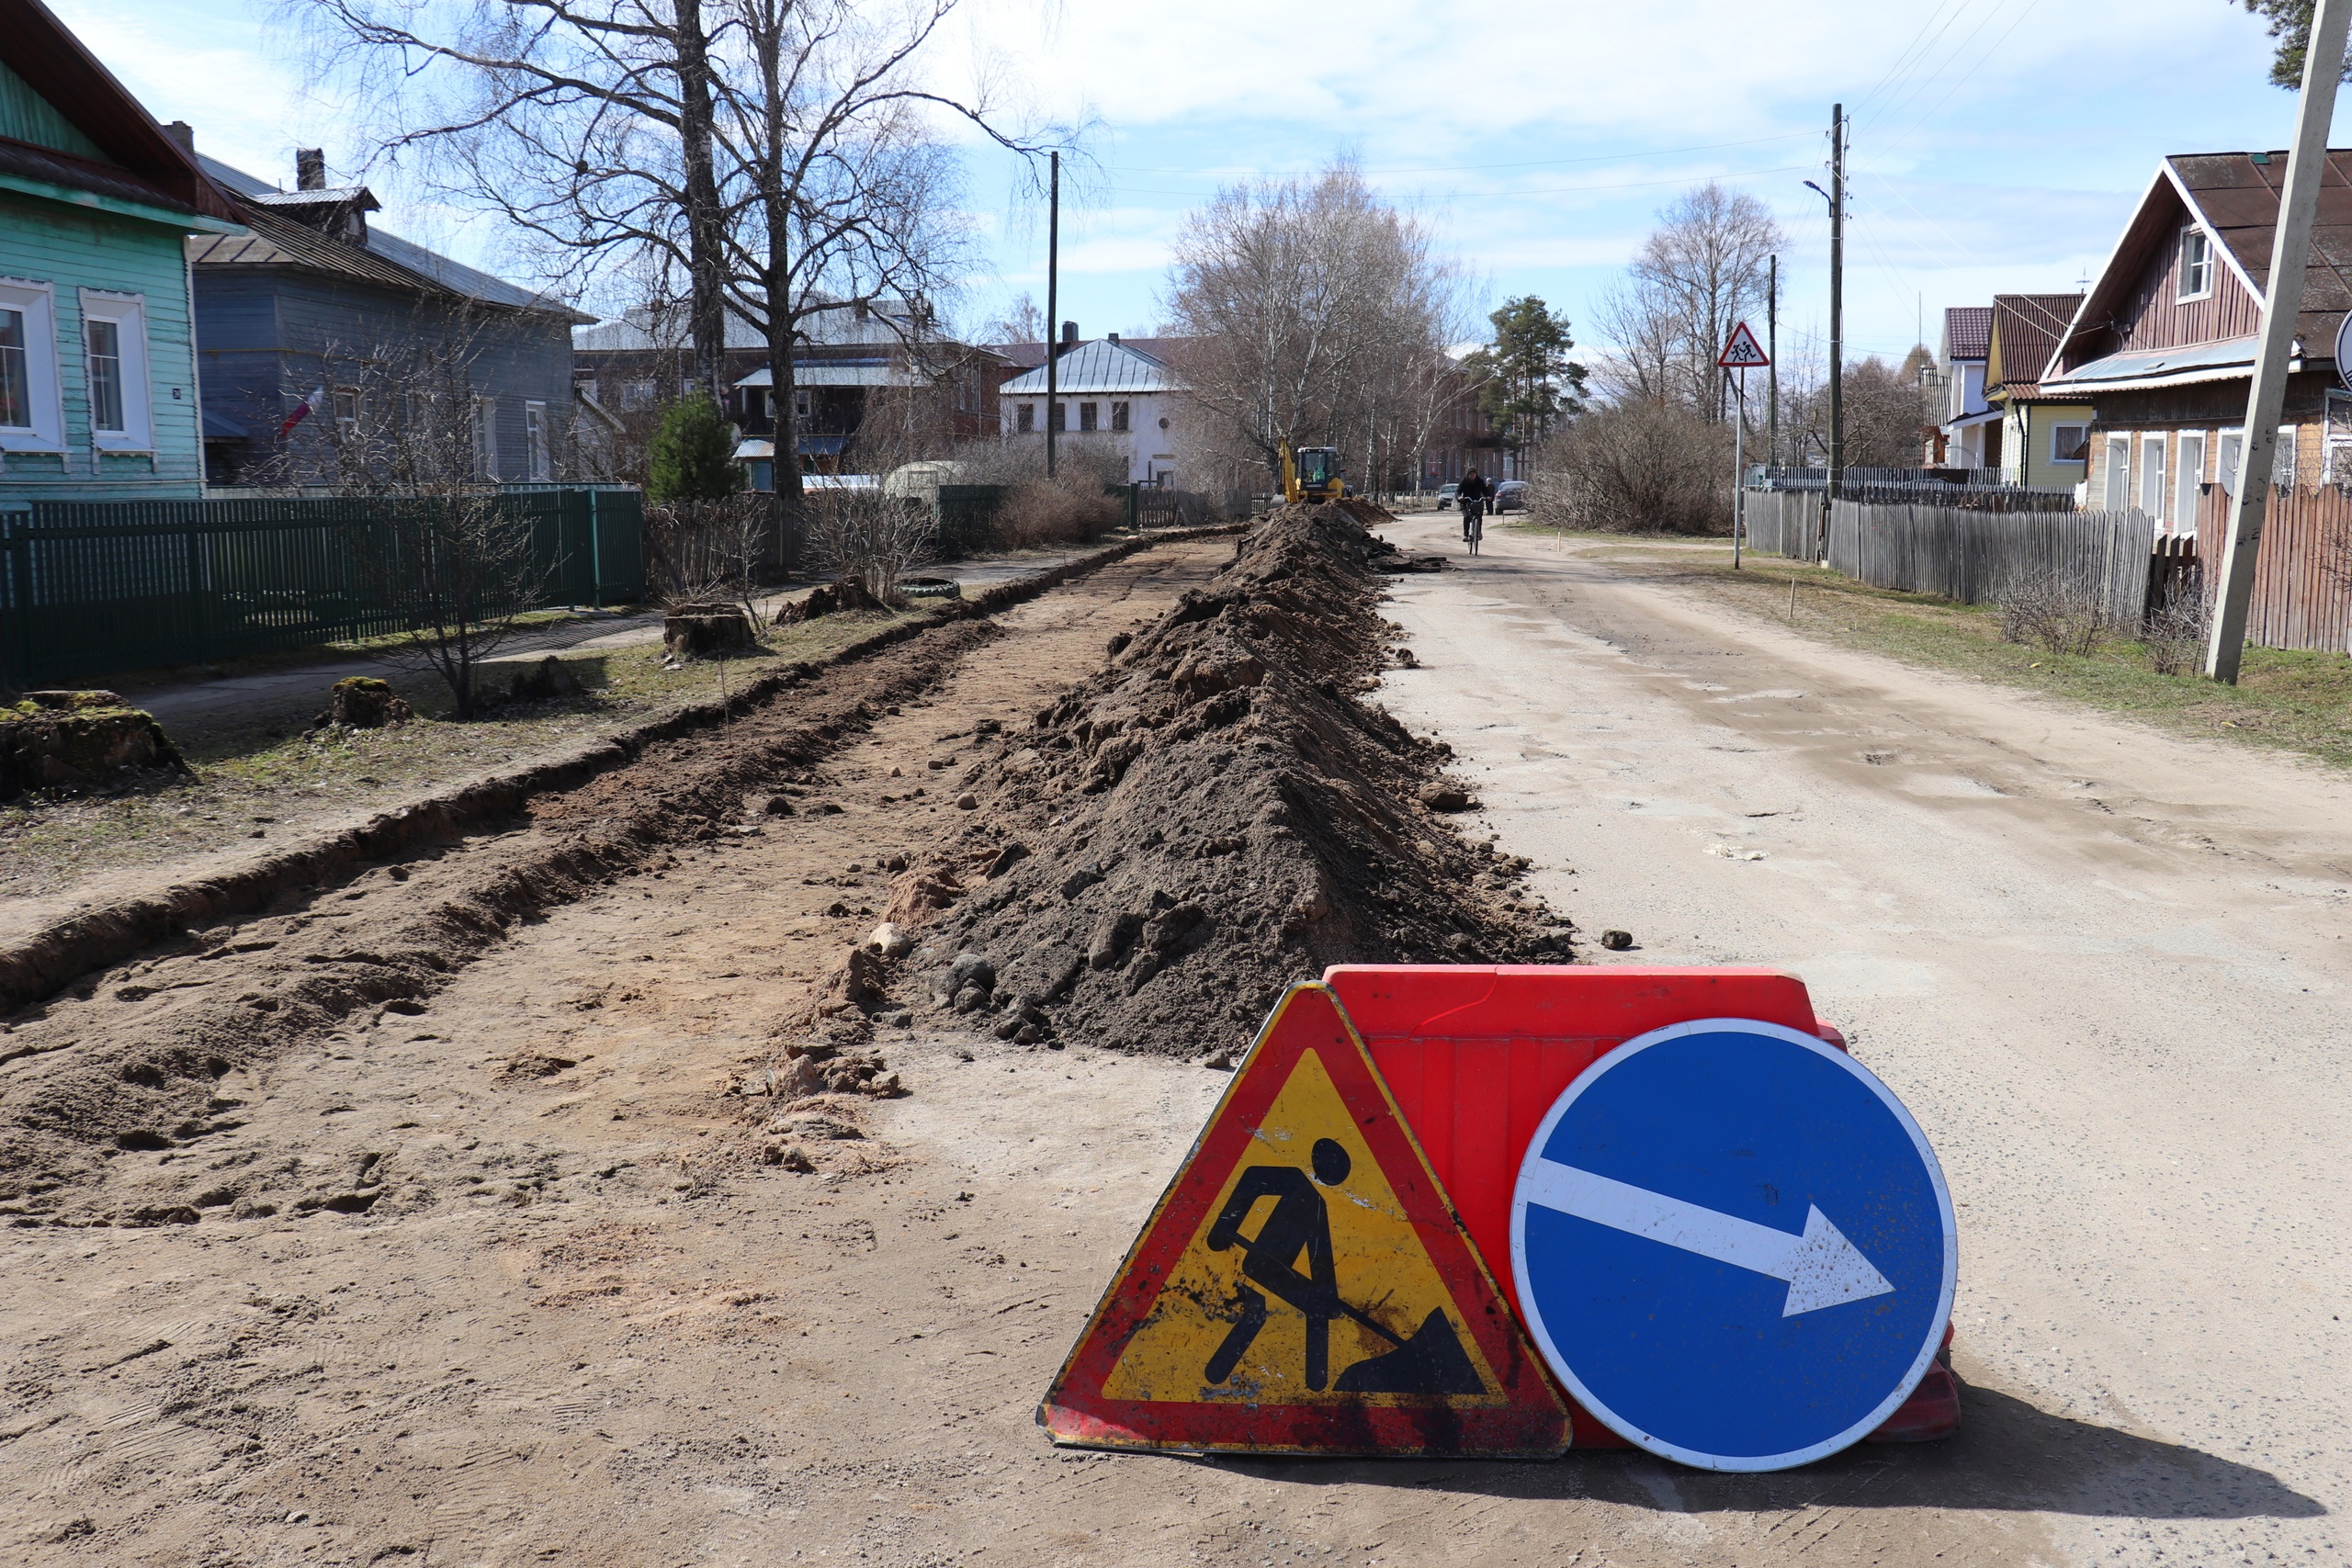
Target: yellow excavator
{"x":1313,"y":475}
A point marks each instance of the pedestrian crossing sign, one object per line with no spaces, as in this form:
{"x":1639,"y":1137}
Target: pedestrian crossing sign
{"x":1304,"y":1286}
{"x":1743,"y":351}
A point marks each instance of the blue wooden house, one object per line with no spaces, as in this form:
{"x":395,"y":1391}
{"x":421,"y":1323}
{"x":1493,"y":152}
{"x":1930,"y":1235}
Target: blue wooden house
{"x":98,"y":389}
{"x":315,"y":327}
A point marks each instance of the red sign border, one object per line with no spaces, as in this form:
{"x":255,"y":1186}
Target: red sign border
{"x":1077,"y":1414}
{"x":1723,"y":361}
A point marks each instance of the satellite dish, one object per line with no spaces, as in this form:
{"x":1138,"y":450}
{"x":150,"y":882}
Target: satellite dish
{"x":2343,"y":349}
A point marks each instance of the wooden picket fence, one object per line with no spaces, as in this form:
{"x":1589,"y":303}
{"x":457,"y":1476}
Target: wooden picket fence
{"x":1964,"y":554}
{"x":2302,"y":574}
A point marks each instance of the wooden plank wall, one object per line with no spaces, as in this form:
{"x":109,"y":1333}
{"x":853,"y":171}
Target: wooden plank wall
{"x":2302,"y":598}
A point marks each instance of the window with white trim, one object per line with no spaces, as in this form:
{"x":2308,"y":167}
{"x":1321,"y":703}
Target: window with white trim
{"x":485,"y":438}
{"x":114,"y":353}
{"x":2070,"y":443}
{"x":2152,"y":477}
{"x":535,"y":435}
{"x":2230,"y":446}
{"x":31,"y":417}
{"x":2119,"y":473}
{"x":2196,"y":264}
{"x":2192,"y":476}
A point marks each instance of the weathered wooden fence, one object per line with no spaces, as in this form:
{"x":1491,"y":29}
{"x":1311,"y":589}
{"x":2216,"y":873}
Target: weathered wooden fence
{"x":1965,"y":555}
{"x":91,"y":588}
{"x":2302,"y":574}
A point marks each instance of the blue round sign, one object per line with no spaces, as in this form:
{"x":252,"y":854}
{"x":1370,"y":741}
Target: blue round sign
{"x":1734,"y":1245}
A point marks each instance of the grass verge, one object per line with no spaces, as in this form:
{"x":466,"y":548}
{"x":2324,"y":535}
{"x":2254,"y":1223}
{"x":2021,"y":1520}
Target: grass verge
{"x":2292,"y":701}
{"x":257,"y":782}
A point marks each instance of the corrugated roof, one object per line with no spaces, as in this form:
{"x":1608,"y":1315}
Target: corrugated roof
{"x":1968,"y":332}
{"x":1098,"y":366}
{"x":276,"y":239}
{"x":1030,"y":356}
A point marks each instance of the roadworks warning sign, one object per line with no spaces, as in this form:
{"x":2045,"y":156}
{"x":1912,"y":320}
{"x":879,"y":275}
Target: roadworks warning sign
{"x":1304,"y":1287}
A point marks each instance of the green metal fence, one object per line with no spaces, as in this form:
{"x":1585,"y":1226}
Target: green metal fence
{"x":90,"y":587}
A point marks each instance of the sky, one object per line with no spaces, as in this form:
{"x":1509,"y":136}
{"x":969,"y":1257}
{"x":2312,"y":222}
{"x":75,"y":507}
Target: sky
{"x":1997,"y":145}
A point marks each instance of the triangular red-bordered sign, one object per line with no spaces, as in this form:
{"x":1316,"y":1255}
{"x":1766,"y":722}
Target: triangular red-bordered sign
{"x":1743,"y":351}
{"x":1304,"y":1287}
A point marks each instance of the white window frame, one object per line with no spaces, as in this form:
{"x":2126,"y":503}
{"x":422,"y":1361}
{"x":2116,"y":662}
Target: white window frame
{"x":536,"y":441}
{"x":2152,"y":493}
{"x":2186,"y":480}
{"x":2083,"y":433}
{"x":2182,"y":293}
{"x":2118,"y":477}
{"x":2229,"y":449}
{"x":129,"y":314}
{"x":2285,"y":468}
{"x":44,"y":388}
{"x":486,"y":439}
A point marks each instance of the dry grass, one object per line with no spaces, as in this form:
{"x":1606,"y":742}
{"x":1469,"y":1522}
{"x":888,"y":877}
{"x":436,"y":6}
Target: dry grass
{"x":260,"y":781}
{"x":2293,"y":701}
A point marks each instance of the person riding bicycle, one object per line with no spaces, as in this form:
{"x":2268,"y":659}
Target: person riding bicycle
{"x":1473,"y":496}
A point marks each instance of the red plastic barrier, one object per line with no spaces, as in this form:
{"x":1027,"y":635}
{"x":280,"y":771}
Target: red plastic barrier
{"x":1476,"y":1053}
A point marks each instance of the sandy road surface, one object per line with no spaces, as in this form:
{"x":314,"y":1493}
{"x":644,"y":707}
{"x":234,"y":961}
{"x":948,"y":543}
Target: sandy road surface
{"x":2106,"y":968}
{"x":579,"y":1327}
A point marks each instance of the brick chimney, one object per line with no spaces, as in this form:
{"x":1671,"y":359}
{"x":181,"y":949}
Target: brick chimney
{"x":184,"y":134}
{"x":309,"y":168}
{"x":1070,"y":334}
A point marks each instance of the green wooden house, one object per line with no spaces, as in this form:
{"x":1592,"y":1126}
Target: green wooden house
{"x":98,"y":396}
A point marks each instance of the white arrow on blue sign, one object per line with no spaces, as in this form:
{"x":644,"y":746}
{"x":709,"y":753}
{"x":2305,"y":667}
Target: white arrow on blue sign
{"x":1734,"y":1245}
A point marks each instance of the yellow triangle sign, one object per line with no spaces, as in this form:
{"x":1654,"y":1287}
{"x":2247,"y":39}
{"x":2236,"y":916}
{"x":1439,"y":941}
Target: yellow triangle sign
{"x":1304,"y":1287}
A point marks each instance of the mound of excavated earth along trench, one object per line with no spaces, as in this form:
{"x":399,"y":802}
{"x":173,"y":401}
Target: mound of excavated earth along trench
{"x":1214,"y":814}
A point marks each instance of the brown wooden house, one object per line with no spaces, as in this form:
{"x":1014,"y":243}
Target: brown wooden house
{"x":2163,"y":346}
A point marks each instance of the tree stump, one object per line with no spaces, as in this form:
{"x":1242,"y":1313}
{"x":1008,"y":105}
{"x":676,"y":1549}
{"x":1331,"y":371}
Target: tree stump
{"x":707,"y":631}
{"x":362,"y":702}
{"x":71,"y":739}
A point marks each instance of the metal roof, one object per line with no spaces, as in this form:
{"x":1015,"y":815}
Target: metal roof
{"x":2233,"y":196}
{"x":886,"y":324}
{"x":275,"y":238}
{"x":1098,"y":366}
{"x":822,"y":373}
{"x":2224,"y":361}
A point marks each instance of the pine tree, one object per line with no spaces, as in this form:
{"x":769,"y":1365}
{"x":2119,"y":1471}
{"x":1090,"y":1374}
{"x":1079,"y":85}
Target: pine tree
{"x":693,"y":455}
{"x":1529,"y":384}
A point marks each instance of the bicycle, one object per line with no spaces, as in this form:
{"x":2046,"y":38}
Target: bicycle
{"x":1474,"y":522}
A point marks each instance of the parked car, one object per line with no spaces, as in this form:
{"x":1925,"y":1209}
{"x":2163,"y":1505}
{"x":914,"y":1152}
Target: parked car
{"x":1510,"y":496}
{"x":1445,"y":495}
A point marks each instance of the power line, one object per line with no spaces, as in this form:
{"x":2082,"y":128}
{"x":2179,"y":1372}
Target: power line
{"x":1541,"y":190}
{"x":1469,"y":168}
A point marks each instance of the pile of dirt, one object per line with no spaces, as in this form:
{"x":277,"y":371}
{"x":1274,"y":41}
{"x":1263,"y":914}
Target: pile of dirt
{"x":1214,"y":814}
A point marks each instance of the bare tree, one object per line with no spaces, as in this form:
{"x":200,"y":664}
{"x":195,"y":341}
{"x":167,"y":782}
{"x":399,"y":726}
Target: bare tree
{"x":1700,"y":272}
{"x":455,"y":560}
{"x":1314,"y":313}
{"x":587,"y":124}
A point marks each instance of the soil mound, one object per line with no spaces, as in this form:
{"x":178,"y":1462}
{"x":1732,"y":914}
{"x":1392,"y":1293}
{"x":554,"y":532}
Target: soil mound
{"x":1213,"y":816}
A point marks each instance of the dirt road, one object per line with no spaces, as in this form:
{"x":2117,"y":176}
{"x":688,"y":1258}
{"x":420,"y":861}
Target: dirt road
{"x":578,"y":1322}
{"x":2106,"y":968}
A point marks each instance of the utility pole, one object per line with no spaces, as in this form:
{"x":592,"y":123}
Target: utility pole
{"x":1053,"y":309}
{"x":2281,"y":303}
{"x":1772,"y":372}
{"x":1837,"y":319}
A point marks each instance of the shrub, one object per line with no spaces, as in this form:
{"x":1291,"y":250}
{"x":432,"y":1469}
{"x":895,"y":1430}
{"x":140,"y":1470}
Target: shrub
{"x":1066,"y":510}
{"x":2177,"y":631}
{"x":692,"y":456}
{"x":2048,"y":610}
{"x":1635,"y":469}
